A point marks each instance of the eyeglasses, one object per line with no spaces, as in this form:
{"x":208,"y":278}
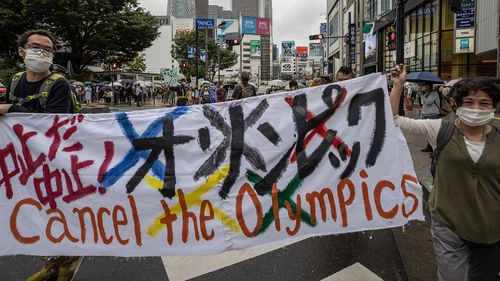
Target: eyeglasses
{"x":48,"y":50}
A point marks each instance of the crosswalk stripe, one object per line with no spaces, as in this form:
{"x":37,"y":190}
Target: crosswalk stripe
{"x":186,"y":267}
{"x":355,"y":272}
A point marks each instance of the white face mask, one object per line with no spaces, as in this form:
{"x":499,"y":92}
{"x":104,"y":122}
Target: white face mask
{"x":38,"y":60}
{"x":475,"y":117}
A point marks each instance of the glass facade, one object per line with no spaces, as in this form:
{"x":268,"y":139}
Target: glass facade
{"x":434,"y":45}
{"x":423,"y":29}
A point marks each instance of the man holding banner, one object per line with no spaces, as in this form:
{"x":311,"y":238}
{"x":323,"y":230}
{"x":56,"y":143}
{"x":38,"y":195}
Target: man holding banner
{"x":37,"y":90}
{"x":465,"y":199}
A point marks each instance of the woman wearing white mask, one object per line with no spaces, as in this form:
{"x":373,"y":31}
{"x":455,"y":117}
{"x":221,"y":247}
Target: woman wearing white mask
{"x":465,"y":200}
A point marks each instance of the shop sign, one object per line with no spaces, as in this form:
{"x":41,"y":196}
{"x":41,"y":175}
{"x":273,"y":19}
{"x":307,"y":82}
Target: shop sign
{"x":464,"y":45}
{"x":286,"y":68}
{"x":465,"y":23}
{"x":409,"y":49}
{"x":465,"y":14}
{"x":468,"y":32}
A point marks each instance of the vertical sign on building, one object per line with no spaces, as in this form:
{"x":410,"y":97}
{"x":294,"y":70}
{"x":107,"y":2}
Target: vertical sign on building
{"x":465,"y":35}
{"x":353,"y":45}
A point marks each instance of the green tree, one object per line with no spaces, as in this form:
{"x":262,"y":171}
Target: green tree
{"x":188,"y":39}
{"x":90,"y":31}
{"x":137,"y":64}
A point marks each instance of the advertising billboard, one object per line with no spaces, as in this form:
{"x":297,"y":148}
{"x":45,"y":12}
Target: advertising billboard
{"x":287,"y":48}
{"x":182,"y":25}
{"x":263,"y":26}
{"x":248,"y":25}
{"x":371,"y":48}
{"x":255,"y":48}
{"x":225,"y":26}
{"x":301,"y":51}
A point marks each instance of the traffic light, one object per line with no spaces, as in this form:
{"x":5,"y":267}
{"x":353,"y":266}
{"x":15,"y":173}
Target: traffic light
{"x":317,"y":37}
{"x":231,"y":43}
{"x":114,"y":66}
{"x":391,"y":40}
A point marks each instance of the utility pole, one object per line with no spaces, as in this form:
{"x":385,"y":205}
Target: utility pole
{"x":197,"y":55}
{"x":349,"y":35}
{"x":400,"y":41}
{"x":241,"y":44}
{"x":206,"y":53}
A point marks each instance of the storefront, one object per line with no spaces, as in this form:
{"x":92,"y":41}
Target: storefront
{"x":431,"y":42}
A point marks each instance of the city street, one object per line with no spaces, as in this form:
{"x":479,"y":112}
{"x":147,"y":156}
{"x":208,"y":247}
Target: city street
{"x":249,"y":140}
{"x":392,"y":254}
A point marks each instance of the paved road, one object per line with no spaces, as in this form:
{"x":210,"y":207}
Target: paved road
{"x":392,"y":254}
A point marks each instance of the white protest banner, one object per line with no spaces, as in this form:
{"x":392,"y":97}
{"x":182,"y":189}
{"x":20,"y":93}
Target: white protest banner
{"x":170,"y":76}
{"x":205,"y":179}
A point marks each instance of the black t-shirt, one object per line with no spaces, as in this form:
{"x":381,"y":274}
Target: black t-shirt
{"x":58,"y":101}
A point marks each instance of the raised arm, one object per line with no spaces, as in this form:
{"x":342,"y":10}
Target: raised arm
{"x":399,"y":77}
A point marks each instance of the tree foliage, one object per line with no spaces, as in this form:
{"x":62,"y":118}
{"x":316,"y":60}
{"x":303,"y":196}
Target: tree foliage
{"x":188,"y":39}
{"x":137,"y":64}
{"x":90,"y":31}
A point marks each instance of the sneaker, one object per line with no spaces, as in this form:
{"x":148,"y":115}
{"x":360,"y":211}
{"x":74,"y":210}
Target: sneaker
{"x":45,"y":273}
{"x":67,"y":271}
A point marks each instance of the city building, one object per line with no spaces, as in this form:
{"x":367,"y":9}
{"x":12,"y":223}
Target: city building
{"x":488,"y":45}
{"x":435,"y":40}
{"x":158,"y":56}
{"x":218,"y":12}
{"x":276,"y":53}
{"x":248,"y":8}
{"x":182,"y":8}
{"x":215,"y":12}
{"x":262,"y":9}
{"x":201,"y":7}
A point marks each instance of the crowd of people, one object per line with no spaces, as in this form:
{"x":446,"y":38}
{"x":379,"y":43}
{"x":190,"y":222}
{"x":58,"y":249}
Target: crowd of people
{"x":464,"y":201}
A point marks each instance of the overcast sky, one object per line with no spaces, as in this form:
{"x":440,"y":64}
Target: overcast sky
{"x":293,"y":20}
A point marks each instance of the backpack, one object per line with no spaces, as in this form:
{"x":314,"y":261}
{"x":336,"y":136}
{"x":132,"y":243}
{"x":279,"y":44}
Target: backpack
{"x":247,"y":91}
{"x":43,"y":92}
{"x":444,"y":135}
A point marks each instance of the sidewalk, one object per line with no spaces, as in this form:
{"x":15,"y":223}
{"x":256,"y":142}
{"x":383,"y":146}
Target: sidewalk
{"x":415,"y":240}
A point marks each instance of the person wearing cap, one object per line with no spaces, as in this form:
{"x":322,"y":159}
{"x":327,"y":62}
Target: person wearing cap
{"x":181,"y":90}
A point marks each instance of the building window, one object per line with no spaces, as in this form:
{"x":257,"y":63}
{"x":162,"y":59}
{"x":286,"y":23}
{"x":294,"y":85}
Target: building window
{"x":334,"y":28}
{"x":384,"y":6}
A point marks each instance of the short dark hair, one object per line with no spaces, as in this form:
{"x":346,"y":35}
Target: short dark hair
{"x":326,"y":78}
{"x":293,"y":83}
{"x":462,"y":88}
{"x":245,"y":76}
{"x":346,"y":70}
{"x":23,"y":39}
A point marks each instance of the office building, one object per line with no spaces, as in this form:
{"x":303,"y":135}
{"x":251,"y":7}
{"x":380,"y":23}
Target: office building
{"x":182,"y":8}
{"x":201,"y":8}
{"x":248,"y":8}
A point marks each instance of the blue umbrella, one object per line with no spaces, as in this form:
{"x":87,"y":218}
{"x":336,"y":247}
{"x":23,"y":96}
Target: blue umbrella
{"x":424,"y":76}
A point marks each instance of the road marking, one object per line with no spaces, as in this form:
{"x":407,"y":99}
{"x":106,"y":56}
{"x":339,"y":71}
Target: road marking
{"x":354,"y":272}
{"x":187,"y":267}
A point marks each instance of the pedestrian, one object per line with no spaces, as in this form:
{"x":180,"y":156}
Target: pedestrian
{"x":430,"y":106}
{"x":205,"y":95}
{"x":27,"y":91}
{"x":221,"y":94}
{"x":244,"y":89}
{"x":181,"y":91}
{"x":293,"y":85}
{"x":465,"y":199}
{"x":344,"y":73}
{"x":139,"y":91}
{"x":88,"y":95}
